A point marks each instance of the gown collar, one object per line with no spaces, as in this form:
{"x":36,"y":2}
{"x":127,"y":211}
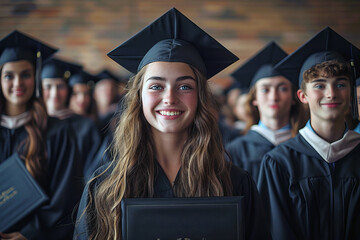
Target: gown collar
{"x":63,"y":114}
{"x":331,"y":152}
{"x":274,"y":136}
{"x":13,"y":122}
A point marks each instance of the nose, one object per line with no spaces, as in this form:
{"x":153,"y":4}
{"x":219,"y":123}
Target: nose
{"x":17,"y":81}
{"x":274,"y":95}
{"x":331,"y":92}
{"x":170,"y":96}
{"x":53,"y":92}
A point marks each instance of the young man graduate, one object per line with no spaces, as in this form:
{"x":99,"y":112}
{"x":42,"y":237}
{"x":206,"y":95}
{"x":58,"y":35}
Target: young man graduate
{"x":272,"y":106}
{"x":310,"y":184}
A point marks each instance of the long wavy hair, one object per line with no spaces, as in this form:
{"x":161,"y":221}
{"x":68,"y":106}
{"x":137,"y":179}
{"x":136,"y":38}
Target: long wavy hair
{"x":298,"y":115}
{"x":33,"y":148}
{"x":203,"y":172}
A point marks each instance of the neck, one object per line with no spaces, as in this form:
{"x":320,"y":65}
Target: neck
{"x":14,"y":110}
{"x":169,"y":148}
{"x":275,"y":124}
{"x":330,"y":131}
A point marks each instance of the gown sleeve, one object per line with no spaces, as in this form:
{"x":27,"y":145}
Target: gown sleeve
{"x":256,"y":226}
{"x":55,"y":218}
{"x":273,"y":185}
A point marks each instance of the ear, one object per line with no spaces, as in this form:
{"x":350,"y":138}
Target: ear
{"x":254,"y":103}
{"x":302,"y":96}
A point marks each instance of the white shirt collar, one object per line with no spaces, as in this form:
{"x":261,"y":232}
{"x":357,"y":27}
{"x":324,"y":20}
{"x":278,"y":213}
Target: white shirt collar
{"x":331,"y":152}
{"x":13,"y":122}
{"x":274,"y":136}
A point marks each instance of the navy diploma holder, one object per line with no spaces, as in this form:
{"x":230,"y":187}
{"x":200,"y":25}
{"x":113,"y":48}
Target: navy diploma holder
{"x":208,"y":218}
{"x":20,"y":194}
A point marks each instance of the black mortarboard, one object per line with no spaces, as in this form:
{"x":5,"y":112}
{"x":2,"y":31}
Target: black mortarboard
{"x":173,"y":38}
{"x":325,"y":46}
{"x":82,"y":77}
{"x":57,"y":68}
{"x":106,"y":74}
{"x":17,"y":46}
{"x":261,"y":65}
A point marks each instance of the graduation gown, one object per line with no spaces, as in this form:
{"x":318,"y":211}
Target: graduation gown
{"x":313,"y":194}
{"x":53,"y":219}
{"x":88,"y":141}
{"x":243,"y":185}
{"x":247,"y":151}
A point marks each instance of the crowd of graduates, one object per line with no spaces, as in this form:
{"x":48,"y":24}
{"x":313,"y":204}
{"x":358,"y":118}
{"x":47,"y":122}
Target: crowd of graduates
{"x":287,"y":135}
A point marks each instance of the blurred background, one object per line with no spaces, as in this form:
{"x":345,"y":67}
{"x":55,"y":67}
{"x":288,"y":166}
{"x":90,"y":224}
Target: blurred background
{"x":86,"y":30}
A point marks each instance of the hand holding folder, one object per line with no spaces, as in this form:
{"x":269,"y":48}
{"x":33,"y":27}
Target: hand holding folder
{"x":20,"y":194}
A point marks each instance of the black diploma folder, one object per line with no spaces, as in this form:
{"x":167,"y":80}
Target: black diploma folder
{"x":20,"y":194}
{"x":209,"y":218}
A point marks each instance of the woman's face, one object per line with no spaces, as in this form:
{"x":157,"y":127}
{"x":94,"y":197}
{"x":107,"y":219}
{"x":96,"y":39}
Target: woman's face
{"x":169,"y":96}
{"x":80,"y":99}
{"x":55,"y":93}
{"x":17,"y":83}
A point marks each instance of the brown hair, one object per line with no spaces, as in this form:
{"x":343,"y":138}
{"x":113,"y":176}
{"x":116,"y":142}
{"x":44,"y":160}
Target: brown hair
{"x":204,"y":171}
{"x":332,"y":68}
{"x":33,"y":148}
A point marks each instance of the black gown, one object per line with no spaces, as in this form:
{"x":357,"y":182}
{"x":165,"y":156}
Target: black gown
{"x":54,"y":219}
{"x":243,"y":185}
{"x":308,"y":198}
{"x":247,"y":152}
{"x":88,"y":141}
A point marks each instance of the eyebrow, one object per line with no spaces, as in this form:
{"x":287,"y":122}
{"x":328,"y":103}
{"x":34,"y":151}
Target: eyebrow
{"x":270,"y":85}
{"x":23,"y":71}
{"x":182,"y":78}
{"x":324,"y":80}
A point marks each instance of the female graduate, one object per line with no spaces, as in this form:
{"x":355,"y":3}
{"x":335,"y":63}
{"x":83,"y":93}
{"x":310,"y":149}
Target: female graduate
{"x":273,"y":108}
{"x":55,"y":75}
{"x":81,"y":99}
{"x":43,"y":144}
{"x":166,"y":143}
{"x":311,"y":183}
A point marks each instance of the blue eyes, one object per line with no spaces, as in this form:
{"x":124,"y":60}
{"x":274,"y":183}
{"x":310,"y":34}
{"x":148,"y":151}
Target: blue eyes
{"x":182,"y":87}
{"x":322,"y":86}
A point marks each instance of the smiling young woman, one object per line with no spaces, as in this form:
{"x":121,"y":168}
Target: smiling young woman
{"x":166,"y":143}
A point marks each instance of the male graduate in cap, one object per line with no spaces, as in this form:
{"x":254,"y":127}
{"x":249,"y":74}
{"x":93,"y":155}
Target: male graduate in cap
{"x":166,"y":143}
{"x":272,"y":106}
{"x":56,"y":93}
{"x":311,"y":183}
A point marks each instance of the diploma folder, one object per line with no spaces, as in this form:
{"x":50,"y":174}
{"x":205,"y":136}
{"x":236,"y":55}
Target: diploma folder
{"x":20,"y":194}
{"x":209,"y":218}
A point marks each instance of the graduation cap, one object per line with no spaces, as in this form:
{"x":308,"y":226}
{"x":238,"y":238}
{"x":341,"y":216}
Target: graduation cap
{"x":82,"y":77}
{"x":57,"y":68}
{"x":173,"y":38}
{"x":106,"y":74}
{"x":261,"y":65}
{"x":325,"y":46}
{"x":18,"y":46}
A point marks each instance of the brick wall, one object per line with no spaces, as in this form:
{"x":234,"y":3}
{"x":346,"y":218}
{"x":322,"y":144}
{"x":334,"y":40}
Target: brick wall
{"x":85,"y":30}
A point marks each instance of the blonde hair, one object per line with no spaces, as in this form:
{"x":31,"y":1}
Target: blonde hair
{"x":204,"y":171}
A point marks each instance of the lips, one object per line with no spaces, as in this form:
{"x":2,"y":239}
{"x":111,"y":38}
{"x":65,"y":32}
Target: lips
{"x":331,"y":105}
{"x":18,"y":92}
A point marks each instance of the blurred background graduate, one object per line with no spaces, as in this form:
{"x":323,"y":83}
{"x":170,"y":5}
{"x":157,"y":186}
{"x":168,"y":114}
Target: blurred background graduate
{"x":310,"y":184}
{"x":45,"y":146}
{"x":56,"y":93}
{"x":166,"y":143}
{"x":81,"y":99}
{"x":272,"y":106}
